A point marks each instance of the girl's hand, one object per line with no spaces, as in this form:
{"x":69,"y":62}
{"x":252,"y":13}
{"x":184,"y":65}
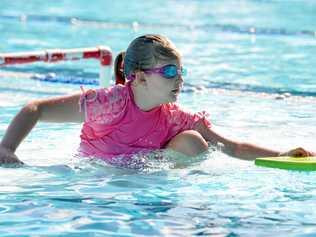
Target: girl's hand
{"x":298,"y":152}
{"x":8,"y":157}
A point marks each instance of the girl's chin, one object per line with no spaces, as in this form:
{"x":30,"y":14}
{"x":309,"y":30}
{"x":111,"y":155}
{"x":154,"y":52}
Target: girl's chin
{"x":174,"y":97}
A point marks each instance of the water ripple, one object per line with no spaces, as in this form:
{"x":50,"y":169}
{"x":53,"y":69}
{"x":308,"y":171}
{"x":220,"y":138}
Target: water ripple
{"x":87,"y":22}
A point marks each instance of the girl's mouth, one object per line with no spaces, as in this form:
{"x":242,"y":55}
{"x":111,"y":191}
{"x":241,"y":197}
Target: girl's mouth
{"x":176,"y":90}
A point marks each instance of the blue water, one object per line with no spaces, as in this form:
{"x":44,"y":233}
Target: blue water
{"x":251,"y":67}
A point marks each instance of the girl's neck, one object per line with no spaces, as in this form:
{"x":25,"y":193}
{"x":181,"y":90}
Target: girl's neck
{"x":143,"y":101}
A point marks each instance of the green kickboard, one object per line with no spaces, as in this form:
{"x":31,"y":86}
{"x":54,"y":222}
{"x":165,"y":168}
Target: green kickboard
{"x":288,"y":163}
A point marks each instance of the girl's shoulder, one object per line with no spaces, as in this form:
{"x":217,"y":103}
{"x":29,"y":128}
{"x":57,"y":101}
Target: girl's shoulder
{"x":174,"y":112}
{"x":112,"y":94}
{"x":109,"y":95}
{"x":172,"y":108}
{"x":103,"y":103}
{"x":177,"y":114}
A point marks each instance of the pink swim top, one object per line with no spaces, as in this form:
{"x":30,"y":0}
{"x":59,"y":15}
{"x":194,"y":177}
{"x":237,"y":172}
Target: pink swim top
{"x":114,"y":125}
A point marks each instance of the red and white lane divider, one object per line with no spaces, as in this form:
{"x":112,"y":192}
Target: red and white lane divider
{"x":101,"y":53}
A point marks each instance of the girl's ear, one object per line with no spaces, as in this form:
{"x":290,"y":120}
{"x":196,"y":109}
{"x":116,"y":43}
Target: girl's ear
{"x":140,"y":78}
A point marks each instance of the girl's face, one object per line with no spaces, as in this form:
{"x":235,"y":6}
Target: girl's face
{"x":162,"y":89}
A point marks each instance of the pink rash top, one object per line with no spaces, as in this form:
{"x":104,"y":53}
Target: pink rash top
{"x":114,"y":125}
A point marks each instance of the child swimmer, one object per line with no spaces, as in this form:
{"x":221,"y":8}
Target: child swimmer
{"x":139,"y":116}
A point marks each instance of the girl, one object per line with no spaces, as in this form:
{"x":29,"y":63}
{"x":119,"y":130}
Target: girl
{"x":139,"y":116}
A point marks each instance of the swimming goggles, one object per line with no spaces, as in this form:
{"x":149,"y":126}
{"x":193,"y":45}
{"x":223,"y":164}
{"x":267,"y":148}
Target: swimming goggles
{"x":169,"y":71}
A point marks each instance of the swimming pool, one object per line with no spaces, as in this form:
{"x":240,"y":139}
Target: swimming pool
{"x":251,"y":67}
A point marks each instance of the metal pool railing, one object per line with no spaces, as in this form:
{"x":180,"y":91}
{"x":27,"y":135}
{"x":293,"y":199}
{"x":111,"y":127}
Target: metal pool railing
{"x":101,"y":53}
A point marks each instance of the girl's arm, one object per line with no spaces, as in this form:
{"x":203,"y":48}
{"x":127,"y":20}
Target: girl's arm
{"x":245,"y":151}
{"x":59,"y":109}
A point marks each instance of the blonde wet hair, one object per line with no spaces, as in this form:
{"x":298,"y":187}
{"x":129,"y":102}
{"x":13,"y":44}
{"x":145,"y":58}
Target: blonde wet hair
{"x":144,"y":52}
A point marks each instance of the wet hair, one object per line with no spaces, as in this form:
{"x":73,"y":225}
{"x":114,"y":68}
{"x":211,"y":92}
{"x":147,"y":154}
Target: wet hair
{"x":144,"y":52}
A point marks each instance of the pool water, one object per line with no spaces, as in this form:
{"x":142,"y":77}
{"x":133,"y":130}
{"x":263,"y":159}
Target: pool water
{"x":251,"y":66}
